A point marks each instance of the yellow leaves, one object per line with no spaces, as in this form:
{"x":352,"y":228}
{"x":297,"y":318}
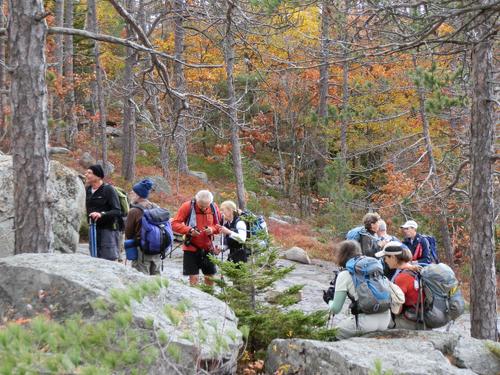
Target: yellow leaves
{"x":445,"y":29}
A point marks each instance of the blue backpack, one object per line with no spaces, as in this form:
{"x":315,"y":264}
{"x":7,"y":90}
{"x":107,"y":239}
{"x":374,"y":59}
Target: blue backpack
{"x":255,"y":223}
{"x":156,"y":231}
{"x":432,"y":247}
{"x":372,"y":287}
{"x":354,"y":234}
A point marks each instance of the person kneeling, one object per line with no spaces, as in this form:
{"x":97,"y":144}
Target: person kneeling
{"x":348,"y":254}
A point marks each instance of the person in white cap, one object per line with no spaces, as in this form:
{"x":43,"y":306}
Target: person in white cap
{"x":418,"y":245}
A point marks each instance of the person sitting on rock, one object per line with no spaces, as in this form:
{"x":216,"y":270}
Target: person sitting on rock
{"x":145,"y":263}
{"x":197,"y":220}
{"x":235,"y":232}
{"x":344,"y":287}
{"x":405,"y":276}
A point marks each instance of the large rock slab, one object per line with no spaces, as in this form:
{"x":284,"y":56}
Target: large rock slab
{"x":297,"y":254}
{"x":69,"y":193}
{"x":66,"y":284}
{"x":403,"y":352}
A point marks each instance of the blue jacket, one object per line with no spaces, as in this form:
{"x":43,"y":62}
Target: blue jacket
{"x":419,"y":247}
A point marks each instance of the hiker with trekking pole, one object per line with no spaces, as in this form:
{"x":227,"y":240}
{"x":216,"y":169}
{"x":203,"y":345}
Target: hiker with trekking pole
{"x":104,"y":213}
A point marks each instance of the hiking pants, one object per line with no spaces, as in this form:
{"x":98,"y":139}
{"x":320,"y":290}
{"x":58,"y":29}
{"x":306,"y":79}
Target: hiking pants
{"x":108,"y":244}
{"x":366,"y":323}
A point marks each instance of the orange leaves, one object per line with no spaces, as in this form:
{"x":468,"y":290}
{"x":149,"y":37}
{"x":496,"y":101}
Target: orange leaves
{"x":222,"y":149}
{"x":398,"y":187}
{"x":254,"y":368}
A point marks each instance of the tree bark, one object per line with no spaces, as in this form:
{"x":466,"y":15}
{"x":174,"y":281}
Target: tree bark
{"x":324,"y":78}
{"x":69,"y":79}
{"x":27,"y":36}
{"x":92,"y":26}
{"x":129,"y":118}
{"x":3,"y":96}
{"x":58,"y":111}
{"x":180,"y":85}
{"x":482,"y":241}
{"x":233,"y":111}
{"x":436,"y":184}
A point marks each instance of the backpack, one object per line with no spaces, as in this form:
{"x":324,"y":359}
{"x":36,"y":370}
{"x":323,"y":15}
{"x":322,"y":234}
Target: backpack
{"x":443,"y":299}
{"x":372,"y":287}
{"x":354,"y":234}
{"x":156,"y":231}
{"x":432,"y":247}
{"x":123,"y":198}
{"x":255,"y":223}
{"x":212,"y":208}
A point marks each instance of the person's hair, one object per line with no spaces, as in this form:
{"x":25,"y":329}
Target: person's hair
{"x":205,"y":196}
{"x":346,"y":250}
{"x":382,"y":226}
{"x":369,"y":219}
{"x":231,"y":205}
{"x":404,"y":257}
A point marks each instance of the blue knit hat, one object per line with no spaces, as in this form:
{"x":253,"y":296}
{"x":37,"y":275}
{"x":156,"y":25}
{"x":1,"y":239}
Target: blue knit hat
{"x":143,"y":188}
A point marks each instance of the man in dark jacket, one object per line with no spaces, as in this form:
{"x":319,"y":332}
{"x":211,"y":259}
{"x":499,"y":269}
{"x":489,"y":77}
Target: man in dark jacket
{"x":103,"y":207}
{"x":417,"y":244}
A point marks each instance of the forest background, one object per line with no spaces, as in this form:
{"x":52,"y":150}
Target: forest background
{"x":322,"y":110}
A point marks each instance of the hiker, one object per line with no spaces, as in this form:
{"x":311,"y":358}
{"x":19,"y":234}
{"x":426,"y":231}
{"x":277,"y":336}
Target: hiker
{"x":418,"y":245}
{"x":103,"y":207}
{"x":370,"y":243}
{"x":235,"y":232}
{"x":197,"y":220}
{"x":383,"y":235}
{"x":406,"y":277}
{"x":145,"y":263}
{"x":344,"y":287}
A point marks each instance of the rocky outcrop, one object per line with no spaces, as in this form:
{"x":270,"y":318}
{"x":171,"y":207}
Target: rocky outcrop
{"x":69,"y":194}
{"x":64,"y":284}
{"x":297,"y":254}
{"x":403,"y":352}
{"x":160,"y":184}
{"x":202,"y":176}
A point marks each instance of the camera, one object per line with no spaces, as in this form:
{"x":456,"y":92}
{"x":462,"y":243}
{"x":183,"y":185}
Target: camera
{"x":330,"y":292}
{"x":187,"y":237}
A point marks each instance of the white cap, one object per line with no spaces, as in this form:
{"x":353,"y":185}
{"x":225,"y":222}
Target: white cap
{"x":390,"y":248}
{"x":410,"y":224}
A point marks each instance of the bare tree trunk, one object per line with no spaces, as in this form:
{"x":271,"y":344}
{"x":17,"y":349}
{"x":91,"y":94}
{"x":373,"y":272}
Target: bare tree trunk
{"x":3,"y":96}
{"x":324,"y":77}
{"x":92,"y":26}
{"x":436,"y":185}
{"x":32,"y":217}
{"x":282,"y":171}
{"x":129,"y":119}
{"x":233,"y":112}
{"x":58,"y":111}
{"x":69,"y":79}
{"x":180,"y":85}
{"x":482,"y":241}
{"x":344,"y":115}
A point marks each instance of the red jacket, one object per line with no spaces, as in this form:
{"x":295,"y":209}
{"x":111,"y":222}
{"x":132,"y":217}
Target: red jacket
{"x":203,"y":219}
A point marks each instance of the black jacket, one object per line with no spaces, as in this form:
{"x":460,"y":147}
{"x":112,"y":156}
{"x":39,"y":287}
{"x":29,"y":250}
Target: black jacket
{"x":104,"y":200}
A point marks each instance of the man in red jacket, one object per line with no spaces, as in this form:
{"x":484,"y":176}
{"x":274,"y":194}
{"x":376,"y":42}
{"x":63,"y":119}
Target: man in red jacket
{"x":197,"y":220}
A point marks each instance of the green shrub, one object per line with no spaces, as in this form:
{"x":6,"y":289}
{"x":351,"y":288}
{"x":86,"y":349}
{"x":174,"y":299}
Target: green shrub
{"x":243,"y":286}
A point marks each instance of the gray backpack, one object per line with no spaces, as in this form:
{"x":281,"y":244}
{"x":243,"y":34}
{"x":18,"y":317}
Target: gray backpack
{"x":443,"y":300}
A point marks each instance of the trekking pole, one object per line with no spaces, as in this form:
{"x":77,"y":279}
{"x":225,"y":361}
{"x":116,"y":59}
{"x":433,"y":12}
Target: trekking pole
{"x":93,"y":239}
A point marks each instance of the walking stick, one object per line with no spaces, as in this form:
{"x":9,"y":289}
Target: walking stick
{"x":93,"y":239}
